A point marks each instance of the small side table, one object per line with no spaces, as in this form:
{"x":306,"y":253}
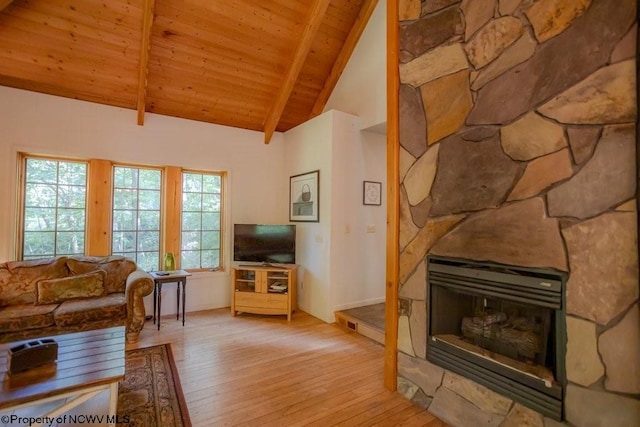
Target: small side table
{"x":161,"y":277}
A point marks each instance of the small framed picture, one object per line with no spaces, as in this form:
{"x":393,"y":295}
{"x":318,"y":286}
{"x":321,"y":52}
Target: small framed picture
{"x":372,"y":193}
{"x":304,"y":197}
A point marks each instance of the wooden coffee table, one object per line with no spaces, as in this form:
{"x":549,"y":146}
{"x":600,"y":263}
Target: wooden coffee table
{"x":88,"y":364}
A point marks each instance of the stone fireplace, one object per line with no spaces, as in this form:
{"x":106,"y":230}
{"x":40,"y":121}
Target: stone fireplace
{"x":518,"y":147}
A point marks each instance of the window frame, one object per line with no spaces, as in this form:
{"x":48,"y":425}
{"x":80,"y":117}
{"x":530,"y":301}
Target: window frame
{"x":22,"y":190}
{"x":160,"y":208}
{"x":99,"y":207}
{"x":223,"y":178}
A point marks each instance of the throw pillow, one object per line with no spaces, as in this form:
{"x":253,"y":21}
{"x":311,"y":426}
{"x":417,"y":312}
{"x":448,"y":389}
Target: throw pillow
{"x":18,"y":278}
{"x":118,"y":269}
{"x":55,"y":291}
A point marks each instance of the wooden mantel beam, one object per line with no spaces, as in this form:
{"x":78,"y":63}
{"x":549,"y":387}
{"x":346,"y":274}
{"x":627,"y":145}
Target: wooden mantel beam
{"x":343,"y":56}
{"x":147,"y":22}
{"x":4,"y":3}
{"x":310,"y":30}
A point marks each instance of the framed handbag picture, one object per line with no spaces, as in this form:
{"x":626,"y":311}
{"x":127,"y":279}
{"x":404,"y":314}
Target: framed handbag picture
{"x":304,"y":197}
{"x":372,"y":193}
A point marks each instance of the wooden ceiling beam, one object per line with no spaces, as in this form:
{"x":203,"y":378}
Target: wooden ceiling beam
{"x":289,"y":80}
{"x":147,"y":23}
{"x":343,"y":57}
{"x":4,"y":3}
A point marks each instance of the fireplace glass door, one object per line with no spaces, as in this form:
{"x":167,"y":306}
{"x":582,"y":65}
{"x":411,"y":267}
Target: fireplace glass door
{"x":501,"y":326}
{"x":511,"y":333}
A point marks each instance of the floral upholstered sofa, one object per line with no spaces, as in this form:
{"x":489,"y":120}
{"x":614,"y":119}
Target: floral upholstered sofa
{"x":52,"y":296}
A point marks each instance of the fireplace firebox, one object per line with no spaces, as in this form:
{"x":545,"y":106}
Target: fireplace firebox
{"x":501,"y":326}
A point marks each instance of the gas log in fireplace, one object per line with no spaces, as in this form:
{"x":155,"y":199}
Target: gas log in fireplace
{"x":501,"y":326}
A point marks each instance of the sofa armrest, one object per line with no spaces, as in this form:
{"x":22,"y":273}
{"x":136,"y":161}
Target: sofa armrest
{"x":139,"y":284}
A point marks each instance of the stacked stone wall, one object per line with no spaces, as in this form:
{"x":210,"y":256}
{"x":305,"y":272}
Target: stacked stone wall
{"x":518,"y":146}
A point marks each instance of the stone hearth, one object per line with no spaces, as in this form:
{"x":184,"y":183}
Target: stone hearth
{"x":518,"y":146}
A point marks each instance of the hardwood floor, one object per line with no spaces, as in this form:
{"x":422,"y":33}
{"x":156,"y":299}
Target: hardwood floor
{"x":255,"y":370}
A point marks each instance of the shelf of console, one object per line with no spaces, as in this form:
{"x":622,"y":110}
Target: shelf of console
{"x":260,"y":299}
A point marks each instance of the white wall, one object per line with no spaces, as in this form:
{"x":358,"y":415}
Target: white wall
{"x":361,"y":90}
{"x":358,"y":230}
{"x":359,"y":261}
{"x":374,"y":152}
{"x":347,"y":227}
{"x":308,"y":148}
{"x":43,"y":124}
{"x":342,"y":265}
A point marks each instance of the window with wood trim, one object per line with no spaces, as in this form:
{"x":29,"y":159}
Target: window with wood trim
{"x":141,"y":212}
{"x":54,"y":196}
{"x":136,"y":215}
{"x":200,"y":221}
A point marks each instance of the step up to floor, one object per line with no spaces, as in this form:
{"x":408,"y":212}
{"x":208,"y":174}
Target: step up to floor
{"x":359,"y":326}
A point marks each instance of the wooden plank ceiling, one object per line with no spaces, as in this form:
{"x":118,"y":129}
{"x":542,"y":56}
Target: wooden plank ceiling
{"x":265,"y":65}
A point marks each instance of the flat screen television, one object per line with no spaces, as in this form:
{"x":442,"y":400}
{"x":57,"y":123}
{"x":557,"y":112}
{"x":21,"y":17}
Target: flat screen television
{"x":264,"y":243}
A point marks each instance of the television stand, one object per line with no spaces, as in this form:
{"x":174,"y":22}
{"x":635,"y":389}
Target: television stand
{"x":263,"y":289}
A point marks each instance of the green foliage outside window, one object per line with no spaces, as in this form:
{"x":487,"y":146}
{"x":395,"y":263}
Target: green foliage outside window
{"x":55,"y":213}
{"x":54,"y":208}
{"x":136,"y":215}
{"x":201,"y":206}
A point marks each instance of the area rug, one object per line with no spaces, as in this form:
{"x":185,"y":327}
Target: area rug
{"x":150,"y":393}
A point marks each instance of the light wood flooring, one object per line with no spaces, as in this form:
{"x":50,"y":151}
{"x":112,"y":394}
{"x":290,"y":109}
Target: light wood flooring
{"x":255,"y":370}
